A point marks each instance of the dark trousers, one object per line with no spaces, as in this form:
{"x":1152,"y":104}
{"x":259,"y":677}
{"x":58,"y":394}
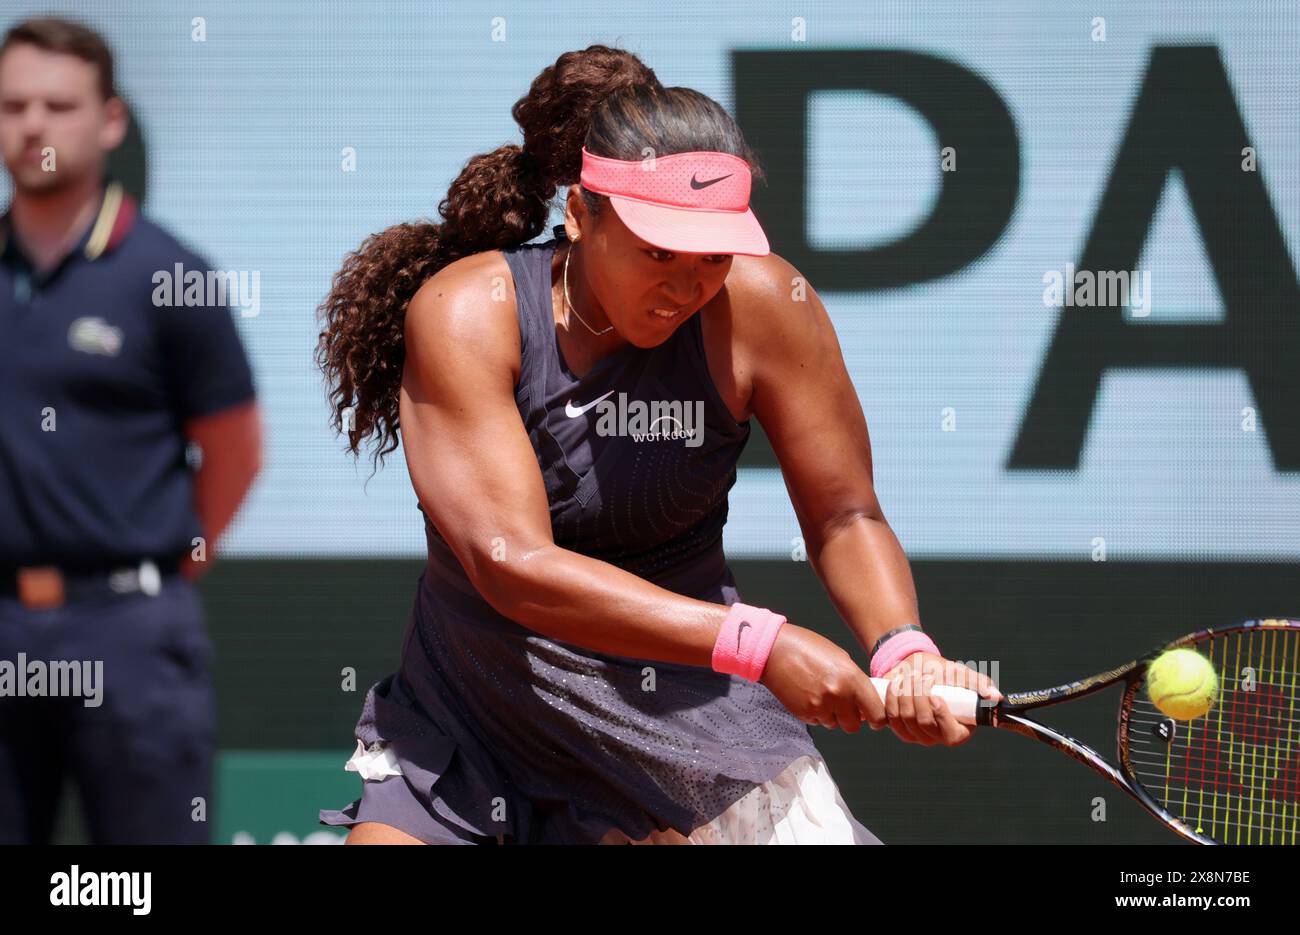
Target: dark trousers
{"x":142,"y":758}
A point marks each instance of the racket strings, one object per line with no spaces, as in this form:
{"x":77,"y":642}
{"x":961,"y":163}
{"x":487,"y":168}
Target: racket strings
{"x":1234,"y":773}
{"x":1250,"y":723}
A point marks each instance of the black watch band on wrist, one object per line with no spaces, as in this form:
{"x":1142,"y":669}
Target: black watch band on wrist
{"x":894,"y":632}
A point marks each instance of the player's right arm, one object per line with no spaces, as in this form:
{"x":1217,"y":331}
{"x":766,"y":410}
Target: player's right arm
{"x":478,"y":481}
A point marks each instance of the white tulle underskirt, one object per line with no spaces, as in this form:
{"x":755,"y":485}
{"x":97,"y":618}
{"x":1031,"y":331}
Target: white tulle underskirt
{"x":801,"y":805}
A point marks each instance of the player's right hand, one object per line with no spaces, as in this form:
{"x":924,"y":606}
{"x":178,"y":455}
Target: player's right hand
{"x":819,"y":683}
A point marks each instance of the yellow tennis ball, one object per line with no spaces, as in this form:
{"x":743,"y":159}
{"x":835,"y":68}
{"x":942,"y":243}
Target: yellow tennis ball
{"x":1182,"y":684}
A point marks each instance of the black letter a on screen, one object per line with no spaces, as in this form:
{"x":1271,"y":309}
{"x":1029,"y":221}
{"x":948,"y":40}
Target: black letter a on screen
{"x":1187,"y":119}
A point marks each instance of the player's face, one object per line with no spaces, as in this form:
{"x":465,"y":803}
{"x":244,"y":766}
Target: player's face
{"x":631,"y":278}
{"x":55,"y":127}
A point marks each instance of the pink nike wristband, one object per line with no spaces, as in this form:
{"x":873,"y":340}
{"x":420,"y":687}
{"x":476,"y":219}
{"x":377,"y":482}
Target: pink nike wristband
{"x":745,"y":641}
{"x":897,"y":648}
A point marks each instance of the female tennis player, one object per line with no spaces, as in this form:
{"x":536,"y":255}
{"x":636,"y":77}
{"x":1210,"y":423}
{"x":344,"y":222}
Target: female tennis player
{"x":578,"y":667}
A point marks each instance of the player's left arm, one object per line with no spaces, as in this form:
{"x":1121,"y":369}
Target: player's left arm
{"x":806,"y":402}
{"x":803,"y":397}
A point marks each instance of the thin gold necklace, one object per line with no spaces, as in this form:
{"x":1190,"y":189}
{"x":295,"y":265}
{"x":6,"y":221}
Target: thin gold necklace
{"x":569,"y":303}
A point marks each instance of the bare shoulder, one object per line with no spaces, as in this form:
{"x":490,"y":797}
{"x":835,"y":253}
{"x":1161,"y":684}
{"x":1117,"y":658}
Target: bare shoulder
{"x":767,"y":297}
{"x":771,"y":307}
{"x":467,"y":309}
{"x":741,"y":326}
{"x":761,"y":276}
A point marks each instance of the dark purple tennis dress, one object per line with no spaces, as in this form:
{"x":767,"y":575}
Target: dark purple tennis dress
{"x":504,"y":735}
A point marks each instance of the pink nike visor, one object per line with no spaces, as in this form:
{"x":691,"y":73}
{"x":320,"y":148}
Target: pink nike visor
{"x":694,"y":202}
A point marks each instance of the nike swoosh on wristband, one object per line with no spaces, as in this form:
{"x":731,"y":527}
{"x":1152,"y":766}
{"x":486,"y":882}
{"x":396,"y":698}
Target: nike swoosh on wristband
{"x":573,"y":411}
{"x":698,"y":185}
{"x":740,"y":632}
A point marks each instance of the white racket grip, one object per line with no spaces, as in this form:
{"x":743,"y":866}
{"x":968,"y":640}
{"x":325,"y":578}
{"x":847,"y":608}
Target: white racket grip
{"x":962,"y":702}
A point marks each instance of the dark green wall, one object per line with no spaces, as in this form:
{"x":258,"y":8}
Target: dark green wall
{"x":283,"y":630}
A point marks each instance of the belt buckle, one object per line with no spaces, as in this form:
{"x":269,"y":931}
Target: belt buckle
{"x":40,"y":587}
{"x":150,"y":578}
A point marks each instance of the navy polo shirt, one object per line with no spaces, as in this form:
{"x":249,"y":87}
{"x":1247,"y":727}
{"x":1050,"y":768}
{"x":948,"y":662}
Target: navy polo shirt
{"x":96,"y":382}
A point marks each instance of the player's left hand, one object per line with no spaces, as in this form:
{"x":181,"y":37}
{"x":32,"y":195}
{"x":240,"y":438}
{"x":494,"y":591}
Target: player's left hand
{"x":914,"y":715}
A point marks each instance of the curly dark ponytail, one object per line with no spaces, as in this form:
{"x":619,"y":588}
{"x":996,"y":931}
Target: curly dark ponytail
{"x":500,"y":199}
{"x":601,"y":97}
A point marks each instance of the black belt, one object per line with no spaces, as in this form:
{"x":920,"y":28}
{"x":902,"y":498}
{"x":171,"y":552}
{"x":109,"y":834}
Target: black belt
{"x":82,"y":581}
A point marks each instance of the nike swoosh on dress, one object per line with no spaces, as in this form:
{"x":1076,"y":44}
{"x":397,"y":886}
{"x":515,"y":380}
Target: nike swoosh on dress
{"x":573,"y":411}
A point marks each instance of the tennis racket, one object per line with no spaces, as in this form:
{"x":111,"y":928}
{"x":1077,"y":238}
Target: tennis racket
{"x":1231,"y":776}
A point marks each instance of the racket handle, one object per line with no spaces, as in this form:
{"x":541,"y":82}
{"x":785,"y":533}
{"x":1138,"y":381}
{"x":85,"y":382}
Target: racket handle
{"x":962,"y":702}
